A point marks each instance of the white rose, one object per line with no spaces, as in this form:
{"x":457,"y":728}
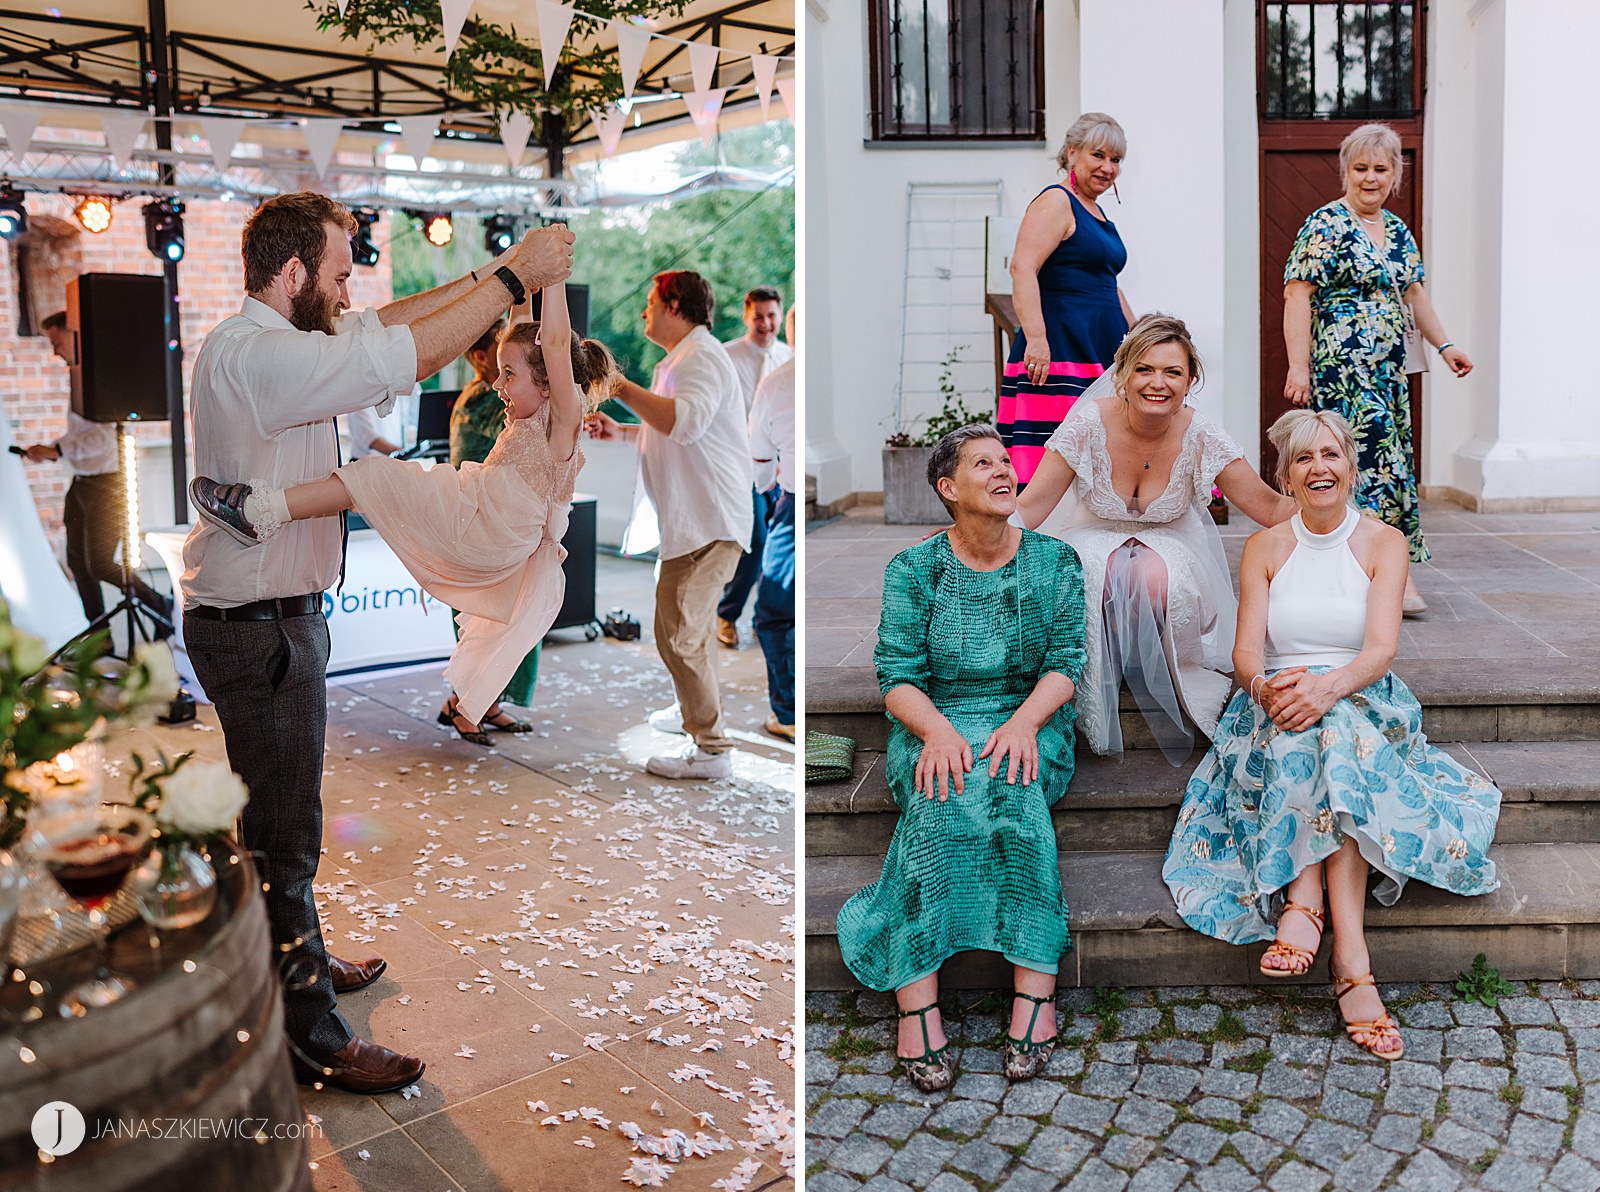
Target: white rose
{"x":202,"y":798}
{"x":159,"y":683}
{"x":28,"y":653}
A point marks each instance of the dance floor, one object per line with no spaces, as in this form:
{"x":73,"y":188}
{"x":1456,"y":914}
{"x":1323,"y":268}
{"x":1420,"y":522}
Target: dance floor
{"x":596,"y":964}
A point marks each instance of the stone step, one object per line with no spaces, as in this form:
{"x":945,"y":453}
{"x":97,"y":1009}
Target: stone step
{"x":1543,"y":923}
{"x":1557,"y":699}
{"x":1551,"y":794}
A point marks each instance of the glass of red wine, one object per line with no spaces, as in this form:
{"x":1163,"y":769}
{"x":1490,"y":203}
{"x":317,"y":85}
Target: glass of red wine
{"x":90,"y":853}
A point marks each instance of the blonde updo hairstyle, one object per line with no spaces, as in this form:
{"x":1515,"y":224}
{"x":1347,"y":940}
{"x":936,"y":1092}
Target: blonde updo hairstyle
{"x":1095,"y":130}
{"x":1149,"y":331}
{"x":1298,"y":430}
{"x":1369,"y":141}
{"x":593,"y":367}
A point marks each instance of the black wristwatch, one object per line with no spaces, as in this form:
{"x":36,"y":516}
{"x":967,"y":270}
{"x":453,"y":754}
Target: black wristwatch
{"x":512,"y":282}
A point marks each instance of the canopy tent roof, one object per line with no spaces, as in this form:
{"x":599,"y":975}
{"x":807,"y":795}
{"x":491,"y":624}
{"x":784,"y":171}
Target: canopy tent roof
{"x":269,"y":61}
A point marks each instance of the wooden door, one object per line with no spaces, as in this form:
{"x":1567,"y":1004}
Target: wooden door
{"x":1302,"y":121}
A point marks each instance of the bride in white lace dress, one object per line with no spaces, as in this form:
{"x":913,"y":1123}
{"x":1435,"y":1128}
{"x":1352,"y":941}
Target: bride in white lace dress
{"x":1126,"y":481}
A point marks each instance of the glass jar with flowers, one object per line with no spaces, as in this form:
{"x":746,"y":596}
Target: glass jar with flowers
{"x":194,"y":801}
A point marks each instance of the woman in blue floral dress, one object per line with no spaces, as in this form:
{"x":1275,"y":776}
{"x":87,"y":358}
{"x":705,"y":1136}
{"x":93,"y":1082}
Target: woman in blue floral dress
{"x":1343,"y":325}
{"x":1319,"y":770}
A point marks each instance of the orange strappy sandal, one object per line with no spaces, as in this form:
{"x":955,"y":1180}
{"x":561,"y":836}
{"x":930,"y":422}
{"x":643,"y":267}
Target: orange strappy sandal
{"x":1374,"y":1030}
{"x":1300,"y":959}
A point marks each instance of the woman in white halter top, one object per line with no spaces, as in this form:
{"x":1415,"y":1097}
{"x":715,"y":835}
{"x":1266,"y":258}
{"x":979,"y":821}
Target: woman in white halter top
{"x":1319,"y":770}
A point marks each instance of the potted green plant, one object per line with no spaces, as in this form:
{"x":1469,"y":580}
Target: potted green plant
{"x":907,"y":498}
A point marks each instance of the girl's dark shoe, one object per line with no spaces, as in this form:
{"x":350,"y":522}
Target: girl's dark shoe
{"x":450,"y":715}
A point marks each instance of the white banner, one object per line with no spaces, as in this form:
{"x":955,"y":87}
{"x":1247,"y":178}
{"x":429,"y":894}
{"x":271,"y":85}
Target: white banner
{"x":704,"y":107}
{"x":631,"y":44}
{"x":417,"y":134}
{"x":786,"y":89}
{"x":454,"y":13}
{"x":765,"y":69}
{"x":19,"y":124}
{"x":515,"y":129}
{"x":608,"y":126}
{"x":554,"y":21}
{"x":703,"y":65}
{"x":222,"y":135}
{"x":122,"y":129}
{"x":321,"y":138}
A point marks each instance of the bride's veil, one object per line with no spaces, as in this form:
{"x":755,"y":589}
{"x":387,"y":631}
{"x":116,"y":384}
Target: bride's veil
{"x":1068,"y":511}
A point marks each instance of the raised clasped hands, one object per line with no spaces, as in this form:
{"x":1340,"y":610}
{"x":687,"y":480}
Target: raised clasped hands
{"x":544,"y":256}
{"x":1020,"y":744}
{"x":945,"y":759}
{"x":1296,"y":699}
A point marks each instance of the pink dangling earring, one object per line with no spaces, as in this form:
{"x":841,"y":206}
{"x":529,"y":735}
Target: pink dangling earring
{"x":1072,"y":179}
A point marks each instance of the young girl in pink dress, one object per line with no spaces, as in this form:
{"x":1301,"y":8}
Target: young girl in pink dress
{"x":485,"y":539}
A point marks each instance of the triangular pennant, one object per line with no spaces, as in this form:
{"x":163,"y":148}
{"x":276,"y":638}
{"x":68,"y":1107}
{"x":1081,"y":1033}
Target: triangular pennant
{"x":704,"y":107}
{"x":343,"y":4}
{"x":417,"y":134}
{"x":608,"y":126}
{"x":321,"y":138}
{"x":703,"y":64}
{"x":222,"y":134}
{"x":765,"y":69}
{"x":19,"y":125}
{"x":122,"y":129}
{"x":516,"y":126}
{"x":632,"y":42}
{"x":554,"y":21}
{"x":785,"y":87}
{"x":454,"y":13}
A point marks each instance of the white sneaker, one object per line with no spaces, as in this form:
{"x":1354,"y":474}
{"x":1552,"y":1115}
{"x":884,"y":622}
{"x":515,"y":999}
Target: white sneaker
{"x":667,"y":720}
{"x":698,"y":764}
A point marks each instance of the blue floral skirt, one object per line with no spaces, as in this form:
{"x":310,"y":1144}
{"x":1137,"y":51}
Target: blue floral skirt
{"x":1266,"y":803}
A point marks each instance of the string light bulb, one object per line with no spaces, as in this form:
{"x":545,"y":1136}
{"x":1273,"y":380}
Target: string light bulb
{"x":440,"y":229}
{"x":94,"y":213}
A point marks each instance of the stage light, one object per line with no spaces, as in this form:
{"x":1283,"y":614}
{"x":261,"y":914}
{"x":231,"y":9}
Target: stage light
{"x":439,"y":228}
{"x":163,"y":229}
{"x":94,"y":213}
{"x":13,"y":215}
{"x":499,"y":233}
{"x":361,"y":247}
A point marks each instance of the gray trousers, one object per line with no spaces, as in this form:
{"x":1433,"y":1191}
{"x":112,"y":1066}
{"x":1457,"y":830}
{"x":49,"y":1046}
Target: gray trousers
{"x":268,"y":680}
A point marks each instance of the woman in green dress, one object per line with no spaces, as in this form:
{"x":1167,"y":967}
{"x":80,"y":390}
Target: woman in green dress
{"x":1343,"y":326}
{"x":980,"y":648}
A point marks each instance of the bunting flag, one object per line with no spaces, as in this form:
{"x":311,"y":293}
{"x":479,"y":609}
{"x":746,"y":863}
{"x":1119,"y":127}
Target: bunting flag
{"x":554,"y":21}
{"x":454,"y":13}
{"x":122,"y":129}
{"x":786,"y":89}
{"x":704,"y":107}
{"x":703,"y":65}
{"x":321,"y":138}
{"x":19,"y":125}
{"x":416,"y":132}
{"x":765,"y":69}
{"x":222,"y":134}
{"x":608,"y":126}
{"x":343,"y":4}
{"x":515,"y":128}
{"x":631,"y":44}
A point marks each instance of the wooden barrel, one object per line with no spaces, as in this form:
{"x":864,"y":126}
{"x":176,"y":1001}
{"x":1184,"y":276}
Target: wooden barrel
{"x":185,"y":1084}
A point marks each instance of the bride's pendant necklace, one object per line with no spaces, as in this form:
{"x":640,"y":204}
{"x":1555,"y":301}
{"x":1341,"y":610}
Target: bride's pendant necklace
{"x":1128,"y":420}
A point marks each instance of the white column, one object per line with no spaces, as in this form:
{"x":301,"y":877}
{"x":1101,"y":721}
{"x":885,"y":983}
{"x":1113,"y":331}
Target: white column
{"x":1157,"y":66}
{"x":1538,"y":440}
{"x":826,"y":458}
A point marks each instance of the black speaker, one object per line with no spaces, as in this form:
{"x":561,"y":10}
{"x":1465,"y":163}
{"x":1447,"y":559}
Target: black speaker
{"x":577,"y":607}
{"x":577,"y":308}
{"x":119,"y":346}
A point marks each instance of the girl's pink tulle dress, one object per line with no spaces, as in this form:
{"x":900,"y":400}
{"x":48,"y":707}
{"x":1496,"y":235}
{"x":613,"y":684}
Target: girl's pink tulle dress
{"x":486,"y":540}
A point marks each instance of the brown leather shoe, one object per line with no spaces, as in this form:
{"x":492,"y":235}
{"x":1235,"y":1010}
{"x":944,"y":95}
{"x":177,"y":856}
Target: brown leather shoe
{"x":351,"y":975}
{"x":362,"y":1067}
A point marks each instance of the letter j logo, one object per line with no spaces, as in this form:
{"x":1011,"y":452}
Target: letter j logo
{"x":58,"y":1128}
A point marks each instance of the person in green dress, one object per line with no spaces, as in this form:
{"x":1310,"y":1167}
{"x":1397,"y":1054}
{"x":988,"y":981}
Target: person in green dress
{"x":476,"y":420}
{"x":980,"y":647}
{"x":1343,"y":326}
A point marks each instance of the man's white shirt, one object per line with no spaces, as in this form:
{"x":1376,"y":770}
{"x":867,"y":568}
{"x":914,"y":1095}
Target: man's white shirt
{"x":753,"y":363}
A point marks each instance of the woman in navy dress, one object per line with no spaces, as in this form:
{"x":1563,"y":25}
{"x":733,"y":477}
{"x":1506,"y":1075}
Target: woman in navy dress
{"x":1064,"y":283}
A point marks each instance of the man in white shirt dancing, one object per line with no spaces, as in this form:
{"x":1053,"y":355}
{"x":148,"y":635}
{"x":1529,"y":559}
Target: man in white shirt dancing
{"x":267,"y":385}
{"x":754,"y":354}
{"x":694,"y":459}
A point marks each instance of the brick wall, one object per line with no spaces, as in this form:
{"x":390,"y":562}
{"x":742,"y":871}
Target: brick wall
{"x":34,"y":389}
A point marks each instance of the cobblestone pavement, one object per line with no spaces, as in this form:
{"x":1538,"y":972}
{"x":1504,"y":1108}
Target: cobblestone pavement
{"x":1217,"y":1089}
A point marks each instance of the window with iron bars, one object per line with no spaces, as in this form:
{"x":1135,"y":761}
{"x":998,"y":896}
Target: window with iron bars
{"x":1339,"y":60}
{"x":957,"y":70}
